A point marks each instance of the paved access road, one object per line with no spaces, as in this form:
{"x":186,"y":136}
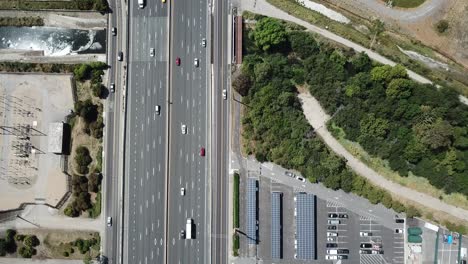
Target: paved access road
{"x":189,"y":93}
{"x":145,"y":156}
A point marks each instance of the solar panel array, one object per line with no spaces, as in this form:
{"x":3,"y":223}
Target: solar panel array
{"x":252,"y":210}
{"x":276,"y":232}
{"x":305,"y":226}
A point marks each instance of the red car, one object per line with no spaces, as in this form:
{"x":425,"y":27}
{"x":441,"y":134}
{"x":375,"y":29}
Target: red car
{"x":202,"y":152}
{"x":177,"y":61}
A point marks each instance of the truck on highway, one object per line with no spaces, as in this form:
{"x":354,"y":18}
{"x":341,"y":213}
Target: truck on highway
{"x":141,"y":3}
{"x":188,"y":233}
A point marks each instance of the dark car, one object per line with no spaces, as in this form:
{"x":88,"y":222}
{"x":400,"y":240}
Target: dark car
{"x":400,"y":220}
{"x":366,"y":245}
{"x":365,"y":251}
{"x":343,"y":251}
{"x":332,"y":215}
{"x":343,"y":216}
{"x":332,"y":245}
{"x":177,"y":61}
{"x":202,"y":152}
{"x":331,"y":227}
{"x":342,"y":257}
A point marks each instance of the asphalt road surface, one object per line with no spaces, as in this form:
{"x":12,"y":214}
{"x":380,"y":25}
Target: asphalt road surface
{"x":112,"y":201}
{"x":145,"y":159}
{"x":189,"y":93}
{"x":220,"y":140}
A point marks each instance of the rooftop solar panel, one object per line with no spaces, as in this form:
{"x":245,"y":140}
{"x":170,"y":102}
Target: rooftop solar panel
{"x":252,"y":210}
{"x":276,"y":225}
{"x":305,"y":226}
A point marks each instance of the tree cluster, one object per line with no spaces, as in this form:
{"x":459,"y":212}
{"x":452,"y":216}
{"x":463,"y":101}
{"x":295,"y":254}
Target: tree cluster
{"x":82,"y":159}
{"x":274,"y":127}
{"x":27,"y":249}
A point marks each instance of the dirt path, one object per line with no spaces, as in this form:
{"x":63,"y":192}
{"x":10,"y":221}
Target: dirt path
{"x":74,"y":20}
{"x":318,"y":118}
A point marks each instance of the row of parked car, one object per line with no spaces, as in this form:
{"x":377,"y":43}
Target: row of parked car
{"x":334,"y":219}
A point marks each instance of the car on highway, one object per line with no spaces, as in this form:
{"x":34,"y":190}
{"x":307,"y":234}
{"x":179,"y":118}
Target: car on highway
{"x":224,"y":94}
{"x":112,"y":88}
{"x":152,"y":52}
{"x":332,"y":215}
{"x":203,"y":42}
{"x":343,"y":216}
{"x":109,"y":221}
{"x":331,"y":257}
{"x":114,"y":31}
{"x":157,"y":109}
{"x":365,"y":234}
{"x":365,"y":245}
{"x":398,"y":231}
{"x":202,"y":152}
{"x":184,"y":129}
{"x":182,"y":234}
{"x":332,"y":234}
{"x":195,"y":62}
{"x":182,"y":191}
{"x":120,"y":56}
{"x":331,"y":245}
{"x":177,"y":61}
{"x":365,"y":251}
{"x":331,"y":228}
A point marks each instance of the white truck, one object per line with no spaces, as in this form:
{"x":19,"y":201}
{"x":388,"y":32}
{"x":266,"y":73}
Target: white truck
{"x":188,"y":231}
{"x":141,"y":3}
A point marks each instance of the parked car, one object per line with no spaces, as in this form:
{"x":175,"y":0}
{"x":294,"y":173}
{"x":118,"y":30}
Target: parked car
{"x":399,"y":220}
{"x":331,"y":239}
{"x":331,"y":245}
{"x":365,"y":245}
{"x":342,"y":257}
{"x":332,"y":215}
{"x":365,"y":234}
{"x":289,"y":174}
{"x":332,"y":234}
{"x":365,"y":251}
{"x":343,"y":216}
{"x":331,"y":227}
{"x":331,"y":257}
{"x":398,"y":231}
{"x":343,"y":251}
{"x":301,"y":179}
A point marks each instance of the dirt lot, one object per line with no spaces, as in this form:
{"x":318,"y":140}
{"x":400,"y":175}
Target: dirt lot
{"x":419,"y":23}
{"x":28,"y":172}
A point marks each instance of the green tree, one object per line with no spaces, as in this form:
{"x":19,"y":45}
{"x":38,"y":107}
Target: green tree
{"x":269,"y":33}
{"x":94,"y":181}
{"x":436,"y":135}
{"x":26,"y":252}
{"x":82,"y":159}
{"x":242,"y":83}
{"x":31,"y":241}
{"x":442,"y":26}
{"x":303,"y":44}
{"x":70,"y":211}
{"x":387,"y":73}
{"x":378,"y":27}
{"x":374,"y":126}
{"x":411,"y":212}
{"x":399,"y":88}
{"x":3,"y":247}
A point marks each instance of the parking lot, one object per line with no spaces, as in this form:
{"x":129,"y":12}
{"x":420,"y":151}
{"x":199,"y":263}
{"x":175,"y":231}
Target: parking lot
{"x":339,"y":231}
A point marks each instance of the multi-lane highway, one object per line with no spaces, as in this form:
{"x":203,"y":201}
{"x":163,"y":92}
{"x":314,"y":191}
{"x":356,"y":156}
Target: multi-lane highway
{"x":159,"y":158}
{"x":146,"y":134}
{"x":189,"y":93}
{"x":112,"y":166}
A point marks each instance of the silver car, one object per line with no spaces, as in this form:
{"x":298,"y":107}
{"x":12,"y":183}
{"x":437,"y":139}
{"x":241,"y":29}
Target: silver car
{"x":112,"y":88}
{"x":203,"y":42}
{"x":109,"y":221}
{"x":184,"y":129}
{"x":224,"y":94}
{"x":195,"y":62}
{"x":152,"y":52}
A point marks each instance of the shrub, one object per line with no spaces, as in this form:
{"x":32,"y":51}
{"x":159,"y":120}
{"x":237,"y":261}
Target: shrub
{"x":66,"y":254}
{"x":82,"y":159}
{"x":31,"y":241}
{"x":19,"y":237}
{"x":442,"y":26}
{"x":27,"y":252}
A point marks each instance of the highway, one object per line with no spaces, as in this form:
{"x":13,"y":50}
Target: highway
{"x":220,"y":130}
{"x":113,"y":155}
{"x":146,"y":135}
{"x":189,"y":93}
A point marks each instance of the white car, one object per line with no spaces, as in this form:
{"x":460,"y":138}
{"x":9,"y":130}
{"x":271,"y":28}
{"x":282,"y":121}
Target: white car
{"x":184,"y":129}
{"x":152,"y":52}
{"x":203,"y":42}
{"x":301,"y":179}
{"x":332,"y":234}
{"x":398,"y":231}
{"x":195,"y":62}
{"x":112,"y":88}
{"x":224,"y":94}
{"x":331,"y":239}
{"x":331,"y":257}
{"x":365,"y":234}
{"x":109,"y":221}
{"x":157,"y":109}
{"x":182,"y":191}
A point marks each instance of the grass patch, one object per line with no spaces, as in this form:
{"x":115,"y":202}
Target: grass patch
{"x":408,"y":3}
{"x":382,"y":167}
{"x":235,"y":245}
{"x":21,"y":21}
{"x":99,"y":159}
{"x":236,"y":200}
{"x":95,"y":211}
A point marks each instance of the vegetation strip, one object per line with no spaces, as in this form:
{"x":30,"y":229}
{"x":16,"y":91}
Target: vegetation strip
{"x":96,"y":5}
{"x":21,"y":21}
